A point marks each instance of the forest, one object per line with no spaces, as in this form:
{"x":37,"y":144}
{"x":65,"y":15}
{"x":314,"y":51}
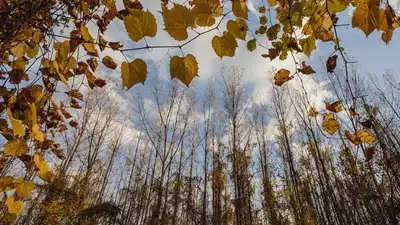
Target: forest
{"x":128,"y":112}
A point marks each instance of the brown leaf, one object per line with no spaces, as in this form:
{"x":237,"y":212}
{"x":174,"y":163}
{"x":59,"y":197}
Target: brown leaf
{"x":109,"y":62}
{"x":100,"y":82}
{"x":74,"y":104}
{"x":282,"y":76}
{"x":352,"y":112}
{"x":369,"y":153}
{"x":73,"y":123}
{"x":66,"y":114}
{"x":306,"y":69}
{"x":331,"y":63}
{"x":272,"y":53}
{"x":334,"y":107}
{"x":367,"y":123}
{"x":115,"y":45}
{"x":92,"y":63}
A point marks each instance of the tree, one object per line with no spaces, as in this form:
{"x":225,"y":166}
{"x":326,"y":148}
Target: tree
{"x":41,"y":66}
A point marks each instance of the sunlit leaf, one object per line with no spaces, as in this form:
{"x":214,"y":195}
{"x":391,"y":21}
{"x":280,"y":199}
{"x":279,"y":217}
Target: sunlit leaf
{"x":239,"y":8}
{"x":177,"y":20}
{"x":308,"y":45}
{"x":109,"y":62}
{"x":16,"y":147}
{"x":282,"y":76}
{"x":185,"y":69}
{"x":365,"y":136}
{"x":225,"y":45}
{"x":238,"y":28}
{"x":205,"y":12}
{"x":140,"y":24}
{"x":330,"y":124}
{"x":133,"y":73}
{"x":334,"y":107}
{"x":312,"y":112}
{"x":14,"y":206}
{"x":354,"y":139}
{"x":25,"y":189}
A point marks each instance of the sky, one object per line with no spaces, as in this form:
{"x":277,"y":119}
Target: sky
{"x":373,"y":56}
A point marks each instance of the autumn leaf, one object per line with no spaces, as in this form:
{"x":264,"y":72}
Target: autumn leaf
{"x":251,"y":45}
{"x":330,"y":124}
{"x":282,"y":76}
{"x":16,"y":147}
{"x":140,"y":24}
{"x":366,"y":16}
{"x":331,"y":63}
{"x":238,"y":28}
{"x":352,"y":112}
{"x":369,"y":153}
{"x":263,"y":20}
{"x":15,"y":207}
{"x":387,"y":36}
{"x":177,"y":20}
{"x":133,"y":73}
{"x":272,"y":32}
{"x":225,"y":45}
{"x":365,"y":136}
{"x":239,"y":8}
{"x":272,"y":53}
{"x":308,"y":45}
{"x":334,"y":107}
{"x":185,"y":69}
{"x":312,"y":112}
{"x":306,"y":69}
{"x":25,"y":189}
{"x":205,"y":12}
{"x":109,"y":62}
{"x":354,"y":139}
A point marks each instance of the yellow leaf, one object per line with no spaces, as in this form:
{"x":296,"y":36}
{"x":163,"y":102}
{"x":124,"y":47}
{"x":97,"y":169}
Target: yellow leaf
{"x":19,"y":64}
{"x":177,"y":20}
{"x":327,"y":22}
{"x":225,"y":45}
{"x":41,"y":165}
{"x":33,"y":114}
{"x":365,"y":136}
{"x":205,"y":12}
{"x":366,"y":16}
{"x":237,"y":28}
{"x":282,"y":76}
{"x":16,"y":147}
{"x":239,"y":8}
{"x":330,"y":124}
{"x":386,"y":37}
{"x":14,"y":206}
{"x":25,"y":189}
{"x":37,"y":134}
{"x":18,"y":50}
{"x":6,"y":182}
{"x":109,"y":62}
{"x":16,"y":125}
{"x":354,"y":139}
{"x":185,"y":69}
{"x":133,"y":73}
{"x":139,"y":24}
{"x":85,"y":34}
{"x":312,"y":112}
